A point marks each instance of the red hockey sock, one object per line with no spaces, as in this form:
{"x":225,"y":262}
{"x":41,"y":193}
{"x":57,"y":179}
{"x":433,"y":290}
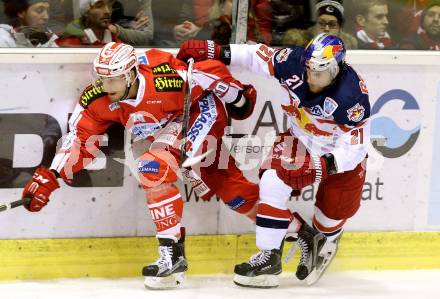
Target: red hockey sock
{"x":166,"y":209}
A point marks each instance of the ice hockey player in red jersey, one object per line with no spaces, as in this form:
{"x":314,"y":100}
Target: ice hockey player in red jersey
{"x":148,"y":99}
{"x":328,"y":107}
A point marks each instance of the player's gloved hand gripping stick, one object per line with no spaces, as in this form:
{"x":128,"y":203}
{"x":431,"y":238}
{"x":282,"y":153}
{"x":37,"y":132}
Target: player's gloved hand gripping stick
{"x":37,"y":191}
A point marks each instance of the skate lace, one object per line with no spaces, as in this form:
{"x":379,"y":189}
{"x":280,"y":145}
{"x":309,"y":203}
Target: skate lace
{"x":165,"y":260}
{"x":260,"y":258}
{"x":304,"y":251}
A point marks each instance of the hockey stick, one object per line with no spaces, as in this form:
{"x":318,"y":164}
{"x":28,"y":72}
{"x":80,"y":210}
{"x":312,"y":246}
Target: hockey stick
{"x":185,"y":161}
{"x":190,"y":161}
{"x":14,"y":204}
{"x":186,"y":109}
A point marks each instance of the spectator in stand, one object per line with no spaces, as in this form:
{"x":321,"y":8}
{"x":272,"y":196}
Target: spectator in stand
{"x":134,"y":14}
{"x":371,"y":19}
{"x":27,"y":24}
{"x":427,"y":36}
{"x":259,"y":27}
{"x":287,"y":14}
{"x":61,"y":14}
{"x":330,"y":20}
{"x":179,"y":20}
{"x":408,"y":10}
{"x":214,"y":18}
{"x":94,"y":28}
{"x":173,"y":22}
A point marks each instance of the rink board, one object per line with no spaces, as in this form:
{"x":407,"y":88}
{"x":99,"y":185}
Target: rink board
{"x":125,"y":257}
{"x":106,"y":230}
{"x":401,"y":193}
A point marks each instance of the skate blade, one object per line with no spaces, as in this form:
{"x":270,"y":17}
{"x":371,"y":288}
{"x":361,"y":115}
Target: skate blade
{"x":312,"y":278}
{"x":264,"y":281}
{"x":163,"y":283}
{"x":317,"y":273}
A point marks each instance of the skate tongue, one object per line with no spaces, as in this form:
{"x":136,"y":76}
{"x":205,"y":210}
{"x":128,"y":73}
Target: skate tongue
{"x":290,"y":254}
{"x":291,"y":237}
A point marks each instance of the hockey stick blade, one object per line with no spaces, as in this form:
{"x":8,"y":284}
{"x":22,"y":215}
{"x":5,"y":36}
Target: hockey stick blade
{"x":190,"y":161}
{"x":14,"y":204}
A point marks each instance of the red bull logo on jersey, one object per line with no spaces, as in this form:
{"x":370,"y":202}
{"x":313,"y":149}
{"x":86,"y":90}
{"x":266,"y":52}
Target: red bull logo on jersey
{"x":283,"y":55}
{"x":356,"y":113}
{"x":312,"y":128}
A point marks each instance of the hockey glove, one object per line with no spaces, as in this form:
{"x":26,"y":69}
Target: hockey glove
{"x":243,"y":107}
{"x":39,"y":188}
{"x":303,"y":172}
{"x":199,"y":50}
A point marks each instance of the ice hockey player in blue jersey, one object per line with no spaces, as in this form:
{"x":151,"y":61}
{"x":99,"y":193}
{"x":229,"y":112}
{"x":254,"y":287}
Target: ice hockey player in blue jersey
{"x":328,"y":107}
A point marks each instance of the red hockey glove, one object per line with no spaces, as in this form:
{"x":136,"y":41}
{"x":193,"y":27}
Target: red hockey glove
{"x":39,"y":188}
{"x":243,"y":107}
{"x":199,"y":50}
{"x":303,"y":172}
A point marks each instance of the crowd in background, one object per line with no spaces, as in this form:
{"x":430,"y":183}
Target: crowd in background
{"x":362,"y":24}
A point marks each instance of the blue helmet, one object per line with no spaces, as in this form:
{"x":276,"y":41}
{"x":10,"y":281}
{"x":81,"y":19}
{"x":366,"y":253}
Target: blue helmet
{"x":324,"y":52}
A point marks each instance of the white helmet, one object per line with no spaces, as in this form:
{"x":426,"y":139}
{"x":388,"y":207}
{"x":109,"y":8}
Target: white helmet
{"x":116,"y":59}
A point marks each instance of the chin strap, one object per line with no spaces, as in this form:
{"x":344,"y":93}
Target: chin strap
{"x":129,"y":85}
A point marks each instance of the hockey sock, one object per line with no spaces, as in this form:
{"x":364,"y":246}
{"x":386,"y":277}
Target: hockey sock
{"x":166,"y":209}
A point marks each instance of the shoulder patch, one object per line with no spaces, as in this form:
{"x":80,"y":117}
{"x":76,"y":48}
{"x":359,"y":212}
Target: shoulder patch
{"x":329,"y":106}
{"x":356,"y":113}
{"x":142,"y":59}
{"x":90,"y":94}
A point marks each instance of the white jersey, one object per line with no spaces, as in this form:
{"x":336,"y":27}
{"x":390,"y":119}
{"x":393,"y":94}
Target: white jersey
{"x":334,"y":121}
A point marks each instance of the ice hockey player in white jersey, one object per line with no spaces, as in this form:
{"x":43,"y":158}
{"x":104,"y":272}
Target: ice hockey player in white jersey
{"x":328,"y":107}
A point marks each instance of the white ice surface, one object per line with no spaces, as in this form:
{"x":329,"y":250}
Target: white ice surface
{"x":423,"y":284}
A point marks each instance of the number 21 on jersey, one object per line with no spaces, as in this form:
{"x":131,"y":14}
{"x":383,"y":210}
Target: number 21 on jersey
{"x":357,"y":136}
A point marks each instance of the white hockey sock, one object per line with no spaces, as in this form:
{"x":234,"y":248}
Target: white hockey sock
{"x":273,"y":217}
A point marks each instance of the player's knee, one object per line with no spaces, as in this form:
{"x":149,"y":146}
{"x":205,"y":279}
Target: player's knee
{"x":330,"y":226}
{"x":273,"y":189}
{"x":161,"y":192}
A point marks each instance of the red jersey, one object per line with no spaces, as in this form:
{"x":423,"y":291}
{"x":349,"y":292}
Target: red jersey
{"x":160,"y":97}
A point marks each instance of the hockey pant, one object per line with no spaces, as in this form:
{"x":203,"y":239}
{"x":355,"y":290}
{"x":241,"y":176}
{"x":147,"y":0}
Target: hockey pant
{"x":337,"y":199}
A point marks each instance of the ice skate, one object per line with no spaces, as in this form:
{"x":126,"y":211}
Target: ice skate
{"x":261,"y":271}
{"x":311,"y":243}
{"x":169,"y":270}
